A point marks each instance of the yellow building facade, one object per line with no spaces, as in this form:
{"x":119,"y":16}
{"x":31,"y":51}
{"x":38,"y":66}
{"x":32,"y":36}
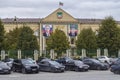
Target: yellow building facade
{"x":59,"y":19}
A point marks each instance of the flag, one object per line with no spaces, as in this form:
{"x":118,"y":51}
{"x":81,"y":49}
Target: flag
{"x":60,"y":4}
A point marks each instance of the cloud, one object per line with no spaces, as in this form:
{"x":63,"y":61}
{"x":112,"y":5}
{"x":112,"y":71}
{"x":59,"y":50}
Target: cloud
{"x":77,"y":8}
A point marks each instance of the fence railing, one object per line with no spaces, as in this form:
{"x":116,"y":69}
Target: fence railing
{"x":52,"y":54}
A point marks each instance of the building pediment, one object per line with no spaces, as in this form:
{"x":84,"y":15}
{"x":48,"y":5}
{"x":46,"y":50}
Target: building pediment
{"x":59,"y":16}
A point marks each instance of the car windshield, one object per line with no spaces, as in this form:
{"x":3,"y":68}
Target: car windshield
{"x":78,"y":62}
{"x":27,"y":61}
{"x":54,"y":63}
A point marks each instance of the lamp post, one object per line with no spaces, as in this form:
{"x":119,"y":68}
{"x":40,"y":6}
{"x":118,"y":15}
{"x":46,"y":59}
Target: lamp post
{"x":15,"y":20}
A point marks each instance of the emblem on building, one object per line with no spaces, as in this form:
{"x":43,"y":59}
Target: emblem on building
{"x":59,"y":15}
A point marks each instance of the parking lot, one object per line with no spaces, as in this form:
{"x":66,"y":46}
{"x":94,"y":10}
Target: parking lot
{"x":68,"y":75}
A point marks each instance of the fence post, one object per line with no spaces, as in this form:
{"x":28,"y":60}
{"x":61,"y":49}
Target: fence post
{"x":98,"y":52}
{"x":2,"y":54}
{"x":119,"y":53}
{"x":105,"y":52}
{"x":19,"y":54}
{"x":83,"y":53}
{"x":35,"y":55}
{"x":52,"y":55}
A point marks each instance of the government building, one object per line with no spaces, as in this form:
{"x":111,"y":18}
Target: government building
{"x":59,"y":19}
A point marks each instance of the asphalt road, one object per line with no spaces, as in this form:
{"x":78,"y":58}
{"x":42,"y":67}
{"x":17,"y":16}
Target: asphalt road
{"x":68,"y":75}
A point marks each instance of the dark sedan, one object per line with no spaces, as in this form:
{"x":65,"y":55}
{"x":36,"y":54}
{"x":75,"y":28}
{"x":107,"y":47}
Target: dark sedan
{"x":74,"y":65}
{"x":25,"y":66}
{"x":50,"y":66}
{"x":96,"y":64}
{"x":80,"y":66}
{"x":115,"y":68}
{"x":4,"y":68}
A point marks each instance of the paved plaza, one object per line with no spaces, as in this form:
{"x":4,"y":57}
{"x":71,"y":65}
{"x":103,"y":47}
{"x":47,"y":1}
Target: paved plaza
{"x":68,"y":75}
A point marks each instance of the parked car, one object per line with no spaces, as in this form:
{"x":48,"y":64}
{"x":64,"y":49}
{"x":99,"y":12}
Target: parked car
{"x":4,"y":68}
{"x":115,"y":68}
{"x":50,"y":66}
{"x":74,"y":65}
{"x":115,"y":61}
{"x":104,"y":59}
{"x":9,"y":61}
{"x":96,"y":64}
{"x":80,"y":66}
{"x":25,"y":66}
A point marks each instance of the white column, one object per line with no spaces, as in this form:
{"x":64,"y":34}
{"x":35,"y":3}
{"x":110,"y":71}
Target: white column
{"x":118,"y":53}
{"x":40,"y":40}
{"x":19,"y":54}
{"x":105,"y":52}
{"x":83,"y":53}
{"x":2,"y":54}
{"x":98,"y":52}
{"x":35,"y":55}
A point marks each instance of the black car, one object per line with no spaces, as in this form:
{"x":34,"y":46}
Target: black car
{"x":74,"y":65}
{"x":50,"y":66}
{"x":9,"y":61}
{"x":96,"y":64}
{"x":4,"y":68}
{"x":115,"y":68}
{"x":80,"y":66}
{"x":25,"y":66}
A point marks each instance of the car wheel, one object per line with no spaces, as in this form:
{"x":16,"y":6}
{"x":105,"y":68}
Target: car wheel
{"x":116,"y":72}
{"x":37,"y":71}
{"x":9,"y":72}
{"x":23,"y":71}
{"x":76,"y":69}
{"x":13,"y":69}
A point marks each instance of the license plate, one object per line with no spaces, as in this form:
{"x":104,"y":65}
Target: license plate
{"x":6,"y":70}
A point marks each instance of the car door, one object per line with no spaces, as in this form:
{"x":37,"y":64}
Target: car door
{"x":89,"y":62}
{"x":44,"y":66}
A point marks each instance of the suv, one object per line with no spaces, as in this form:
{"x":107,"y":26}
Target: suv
{"x":25,"y":66}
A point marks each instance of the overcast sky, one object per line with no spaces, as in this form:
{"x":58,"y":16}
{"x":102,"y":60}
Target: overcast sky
{"x":77,"y":8}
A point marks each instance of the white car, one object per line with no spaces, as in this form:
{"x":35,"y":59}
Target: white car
{"x":104,"y":59}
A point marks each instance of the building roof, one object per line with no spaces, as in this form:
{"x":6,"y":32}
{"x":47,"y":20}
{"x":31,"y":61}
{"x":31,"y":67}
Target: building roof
{"x":37,"y":20}
{"x":21,"y":20}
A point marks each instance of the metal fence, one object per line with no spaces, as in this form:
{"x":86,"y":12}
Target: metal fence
{"x":53,"y":54}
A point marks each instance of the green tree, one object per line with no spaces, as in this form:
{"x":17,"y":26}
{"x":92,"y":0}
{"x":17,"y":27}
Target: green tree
{"x":58,"y":41}
{"x":109,"y":35}
{"x":26,"y":39}
{"x":12,"y":38}
{"x":86,"y":40}
{"x":2,"y":37}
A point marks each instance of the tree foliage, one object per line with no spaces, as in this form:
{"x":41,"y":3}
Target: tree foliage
{"x":2,"y":37}
{"x":109,"y":35}
{"x":26,"y":39}
{"x":58,"y":41}
{"x":12,"y":38}
{"x":86,"y":40}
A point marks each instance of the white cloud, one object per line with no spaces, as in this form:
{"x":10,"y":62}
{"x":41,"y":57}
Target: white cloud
{"x":77,"y":8}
